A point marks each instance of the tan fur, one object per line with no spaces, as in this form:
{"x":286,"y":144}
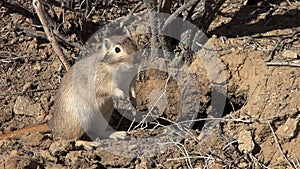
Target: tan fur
{"x":84,"y":99}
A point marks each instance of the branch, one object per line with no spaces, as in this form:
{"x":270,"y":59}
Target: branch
{"x":279,"y":147}
{"x":37,"y":5}
{"x":16,"y":8}
{"x":282,"y":64}
{"x":272,"y":53}
{"x":179,"y":11}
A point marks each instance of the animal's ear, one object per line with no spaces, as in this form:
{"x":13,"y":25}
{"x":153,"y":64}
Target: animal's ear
{"x":107,"y":44}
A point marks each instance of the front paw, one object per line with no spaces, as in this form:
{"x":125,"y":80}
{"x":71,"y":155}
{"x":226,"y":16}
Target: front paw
{"x":118,"y":93}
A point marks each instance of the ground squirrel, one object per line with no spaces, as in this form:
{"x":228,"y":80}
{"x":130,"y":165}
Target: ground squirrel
{"x":84,"y":100}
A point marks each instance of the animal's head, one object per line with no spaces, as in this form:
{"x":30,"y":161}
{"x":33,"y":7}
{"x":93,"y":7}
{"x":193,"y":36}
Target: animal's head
{"x":118,"y":49}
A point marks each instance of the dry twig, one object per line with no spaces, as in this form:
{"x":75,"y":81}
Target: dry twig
{"x":272,"y":53}
{"x":282,"y":64}
{"x":153,"y":23}
{"x":279,"y":147}
{"x":130,"y":13}
{"x":258,"y":162}
{"x":179,"y":11}
{"x":37,"y":5}
{"x":183,"y":150}
{"x":16,"y":8}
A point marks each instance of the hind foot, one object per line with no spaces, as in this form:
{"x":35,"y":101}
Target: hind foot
{"x":119,"y":135}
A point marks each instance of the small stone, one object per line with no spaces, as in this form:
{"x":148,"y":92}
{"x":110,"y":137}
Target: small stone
{"x":243,"y":165}
{"x":6,"y":116}
{"x":57,"y":66}
{"x":37,"y":66}
{"x":95,"y":18}
{"x":33,"y":139}
{"x":28,"y":38}
{"x":23,"y":106}
{"x":14,"y":153}
{"x":19,"y":161}
{"x":13,"y":41}
{"x":46,"y":155}
{"x":290,"y":54}
{"x":72,"y":157}
{"x":245,"y":141}
{"x":27,"y":20}
{"x":288,"y":129}
{"x":60,"y":147}
{"x":26,"y":86}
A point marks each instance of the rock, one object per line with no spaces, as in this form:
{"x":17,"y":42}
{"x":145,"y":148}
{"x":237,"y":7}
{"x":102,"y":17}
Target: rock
{"x":6,"y":116}
{"x":198,"y":69}
{"x":60,"y":148}
{"x":73,"y":158}
{"x":19,"y":161}
{"x":23,"y":106}
{"x":33,"y":139}
{"x":26,"y":86}
{"x":46,"y":155}
{"x":37,"y":66}
{"x":290,"y":54}
{"x":143,"y":164}
{"x":243,"y":165}
{"x":245,"y":141}
{"x":288,"y":129}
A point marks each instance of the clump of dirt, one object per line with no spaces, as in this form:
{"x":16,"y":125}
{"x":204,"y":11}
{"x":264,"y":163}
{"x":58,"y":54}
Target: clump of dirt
{"x":259,"y":127}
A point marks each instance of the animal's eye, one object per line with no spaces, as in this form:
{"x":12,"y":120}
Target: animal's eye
{"x":117,"y":50}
